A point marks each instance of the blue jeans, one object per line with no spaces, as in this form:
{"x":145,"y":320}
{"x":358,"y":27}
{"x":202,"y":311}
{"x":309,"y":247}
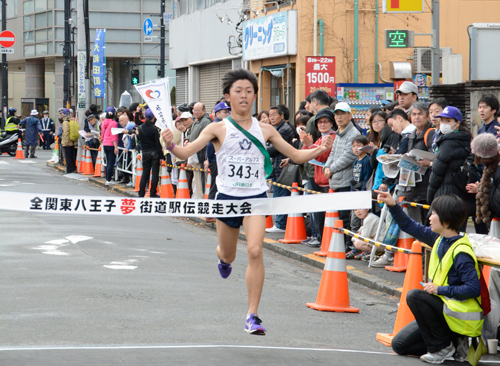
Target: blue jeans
{"x":314,"y":232}
{"x":280,"y":222}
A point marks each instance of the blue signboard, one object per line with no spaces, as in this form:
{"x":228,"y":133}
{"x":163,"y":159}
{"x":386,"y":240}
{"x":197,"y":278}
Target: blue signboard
{"x":147,"y":27}
{"x":99,"y":64}
{"x":270,"y":36}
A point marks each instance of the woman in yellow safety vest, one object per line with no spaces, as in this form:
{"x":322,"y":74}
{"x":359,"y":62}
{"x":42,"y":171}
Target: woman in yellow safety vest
{"x":448,"y":309}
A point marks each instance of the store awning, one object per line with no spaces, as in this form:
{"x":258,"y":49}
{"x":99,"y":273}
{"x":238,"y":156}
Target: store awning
{"x":275,"y":70}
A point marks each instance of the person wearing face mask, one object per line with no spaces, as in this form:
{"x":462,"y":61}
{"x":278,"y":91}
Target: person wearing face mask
{"x":453,"y":148}
{"x":326,"y":125}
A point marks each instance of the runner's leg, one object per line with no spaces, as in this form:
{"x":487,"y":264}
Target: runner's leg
{"x":228,"y":238}
{"x":255,"y":227}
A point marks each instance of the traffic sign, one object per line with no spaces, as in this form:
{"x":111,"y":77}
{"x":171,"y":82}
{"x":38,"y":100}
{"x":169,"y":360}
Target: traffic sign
{"x":147,"y":27}
{"x":7,"y":39}
{"x":167,"y":17}
{"x":6,"y":50}
{"x":403,"y":6}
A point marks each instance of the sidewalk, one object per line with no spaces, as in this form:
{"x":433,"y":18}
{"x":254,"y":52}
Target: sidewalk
{"x":378,"y":279}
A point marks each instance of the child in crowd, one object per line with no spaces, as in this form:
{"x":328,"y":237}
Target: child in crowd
{"x":361,"y":169}
{"x":361,"y":172}
{"x":368,"y":229}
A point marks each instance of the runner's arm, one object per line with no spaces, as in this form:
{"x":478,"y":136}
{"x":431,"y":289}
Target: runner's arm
{"x":184,"y":152}
{"x":298,"y":156}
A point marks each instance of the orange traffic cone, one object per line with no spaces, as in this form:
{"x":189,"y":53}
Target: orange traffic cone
{"x":333,"y":294}
{"x":89,"y":167}
{"x":413,"y":277}
{"x":19,"y":151}
{"x":269,"y":222}
{"x":166,"y":189}
{"x":295,"y":227}
{"x":400,"y":259}
{"x":80,"y":163}
{"x":182,"y":186}
{"x":98,"y":165}
{"x":138,"y":173}
{"x":208,"y":185}
{"x":330,"y":218}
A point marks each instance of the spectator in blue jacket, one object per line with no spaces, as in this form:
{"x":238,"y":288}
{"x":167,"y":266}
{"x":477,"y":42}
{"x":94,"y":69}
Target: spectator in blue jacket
{"x":33,"y":128}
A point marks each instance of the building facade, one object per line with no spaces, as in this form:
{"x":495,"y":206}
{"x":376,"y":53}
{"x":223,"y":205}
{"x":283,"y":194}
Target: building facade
{"x":37,"y":65}
{"x":335,"y":32}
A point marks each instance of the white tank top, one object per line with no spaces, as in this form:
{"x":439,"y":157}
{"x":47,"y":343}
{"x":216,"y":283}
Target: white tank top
{"x":240,"y":164}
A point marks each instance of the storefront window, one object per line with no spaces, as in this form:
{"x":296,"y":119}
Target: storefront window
{"x":29,"y":22}
{"x":29,"y":37}
{"x":29,"y":51}
{"x":40,"y":5}
{"x":41,"y":20}
{"x":41,"y":49}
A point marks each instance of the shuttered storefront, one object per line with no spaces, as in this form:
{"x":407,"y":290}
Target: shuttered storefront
{"x":181,"y":89}
{"x":211,"y":82}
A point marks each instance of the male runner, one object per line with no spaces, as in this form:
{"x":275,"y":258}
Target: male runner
{"x":238,"y":179}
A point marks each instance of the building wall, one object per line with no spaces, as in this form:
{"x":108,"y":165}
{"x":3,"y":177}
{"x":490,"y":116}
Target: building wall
{"x":201,"y":37}
{"x":338,"y":17}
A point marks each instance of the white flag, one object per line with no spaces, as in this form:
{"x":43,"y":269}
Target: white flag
{"x":157,"y":96}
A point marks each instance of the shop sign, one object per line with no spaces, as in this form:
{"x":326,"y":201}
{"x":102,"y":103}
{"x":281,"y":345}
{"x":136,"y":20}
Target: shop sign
{"x":270,"y":36}
{"x":403,"y":6}
{"x":320,"y":74}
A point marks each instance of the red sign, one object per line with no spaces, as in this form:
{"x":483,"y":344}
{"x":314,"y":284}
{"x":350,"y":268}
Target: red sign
{"x":320,"y":74}
{"x":7,"y":39}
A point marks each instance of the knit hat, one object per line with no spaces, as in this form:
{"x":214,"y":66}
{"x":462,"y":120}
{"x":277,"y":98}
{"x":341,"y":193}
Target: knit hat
{"x":485,"y":145}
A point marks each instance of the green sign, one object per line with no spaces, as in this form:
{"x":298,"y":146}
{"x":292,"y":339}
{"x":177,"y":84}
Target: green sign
{"x":399,"y":38}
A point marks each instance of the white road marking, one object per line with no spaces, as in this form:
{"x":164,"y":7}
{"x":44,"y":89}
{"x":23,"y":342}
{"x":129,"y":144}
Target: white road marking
{"x":76,"y":176}
{"x":77,"y":238}
{"x":28,"y":162}
{"x":52,"y":249}
{"x":78,"y":348}
{"x":127,"y":264}
{"x":57,"y":241}
{"x":4,"y":162}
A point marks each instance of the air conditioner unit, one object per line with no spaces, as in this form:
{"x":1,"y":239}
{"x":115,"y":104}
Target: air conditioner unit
{"x":422,"y":59}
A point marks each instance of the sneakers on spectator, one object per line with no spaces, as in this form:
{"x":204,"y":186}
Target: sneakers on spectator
{"x":108,"y":183}
{"x":129,"y":184}
{"x":314,"y":243}
{"x":253,"y":325}
{"x":462,"y":349}
{"x":382,"y":262}
{"x":361,"y":255}
{"x":224,"y":269}
{"x":439,"y":356}
{"x":366,"y":258}
{"x":351,"y":254}
{"x":306,"y":241}
{"x":275,"y":229}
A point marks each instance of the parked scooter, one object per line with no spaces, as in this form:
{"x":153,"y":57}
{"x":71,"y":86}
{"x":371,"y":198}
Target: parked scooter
{"x":8,"y":142}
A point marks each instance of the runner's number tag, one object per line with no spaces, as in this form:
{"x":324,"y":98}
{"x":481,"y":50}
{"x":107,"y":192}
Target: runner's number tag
{"x":243,"y":171}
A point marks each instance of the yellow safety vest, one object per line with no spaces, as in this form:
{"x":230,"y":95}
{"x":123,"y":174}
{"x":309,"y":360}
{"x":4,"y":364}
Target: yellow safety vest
{"x":463,"y":316}
{"x":10,"y":126}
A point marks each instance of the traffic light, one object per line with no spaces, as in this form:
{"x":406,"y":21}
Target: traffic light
{"x":134,"y":75}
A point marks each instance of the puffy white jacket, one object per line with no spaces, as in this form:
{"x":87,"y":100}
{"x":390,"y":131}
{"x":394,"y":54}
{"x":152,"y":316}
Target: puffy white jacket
{"x":342,"y":158}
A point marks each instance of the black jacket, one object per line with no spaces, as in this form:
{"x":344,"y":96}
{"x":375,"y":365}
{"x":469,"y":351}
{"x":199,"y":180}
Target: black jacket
{"x":495,"y":194}
{"x":453,"y":149}
{"x":387,"y":138}
{"x":150,"y":138}
{"x":419,"y":192}
{"x":286,"y":132}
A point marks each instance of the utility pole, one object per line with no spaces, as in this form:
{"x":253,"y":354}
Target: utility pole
{"x":162,"y":39}
{"x":5,"y":66}
{"x":81,"y":97}
{"x":436,"y":54}
{"x":67,"y":53}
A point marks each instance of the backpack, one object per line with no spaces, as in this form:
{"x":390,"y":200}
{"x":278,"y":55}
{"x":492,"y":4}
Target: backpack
{"x":430,"y":131}
{"x":74,"y":129}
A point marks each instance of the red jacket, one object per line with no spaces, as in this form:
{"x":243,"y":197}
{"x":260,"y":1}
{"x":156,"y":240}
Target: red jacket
{"x":319,"y":176}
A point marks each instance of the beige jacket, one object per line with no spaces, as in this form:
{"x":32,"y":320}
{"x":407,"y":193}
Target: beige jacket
{"x":66,"y":142}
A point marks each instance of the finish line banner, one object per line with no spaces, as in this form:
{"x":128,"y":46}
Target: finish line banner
{"x":117,"y":206}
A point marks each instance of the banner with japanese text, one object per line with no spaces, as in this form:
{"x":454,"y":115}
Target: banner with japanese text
{"x":156,"y":95}
{"x":88,"y":205}
{"x":99,"y":64}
